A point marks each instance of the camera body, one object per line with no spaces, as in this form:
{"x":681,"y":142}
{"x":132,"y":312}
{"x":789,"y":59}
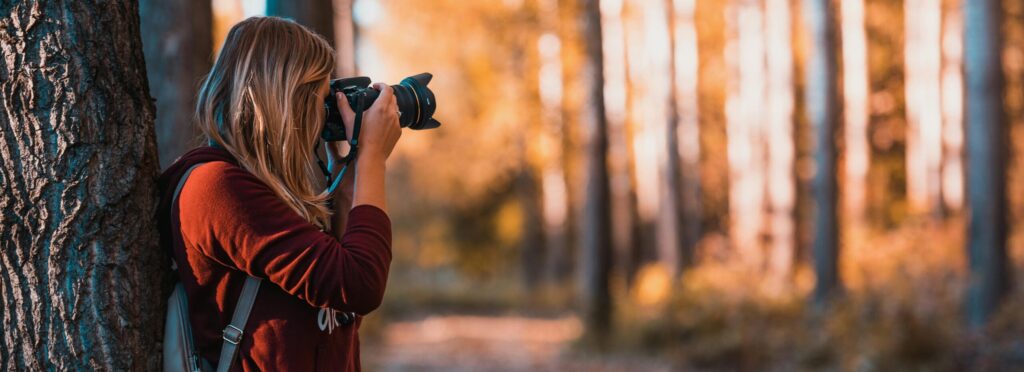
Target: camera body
{"x":416,"y":103}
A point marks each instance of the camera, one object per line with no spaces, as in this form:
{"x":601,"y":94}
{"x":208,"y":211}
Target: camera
{"x":415,"y":101}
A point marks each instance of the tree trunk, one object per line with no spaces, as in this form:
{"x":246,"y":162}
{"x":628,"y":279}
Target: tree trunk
{"x":779,"y":140}
{"x":952,"y":106}
{"x":855,"y":94}
{"x":745,"y":133}
{"x":823,"y":114}
{"x":318,"y":15}
{"x":923,"y":93}
{"x":986,"y":159}
{"x":595,"y":227}
{"x":345,"y":38}
{"x":178,"y":46}
{"x":80,"y":267}
{"x":625,"y":227}
{"x":683,"y":132}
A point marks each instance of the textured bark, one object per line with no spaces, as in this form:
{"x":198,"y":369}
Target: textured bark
{"x":986,"y":160}
{"x":178,"y":44}
{"x":823,"y":115}
{"x":79,"y":260}
{"x":595,"y":222}
{"x":318,"y":15}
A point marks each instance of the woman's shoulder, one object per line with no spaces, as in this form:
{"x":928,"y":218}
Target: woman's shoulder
{"x":221,"y":180}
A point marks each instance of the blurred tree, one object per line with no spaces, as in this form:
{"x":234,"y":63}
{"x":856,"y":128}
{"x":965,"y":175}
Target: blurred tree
{"x":857,"y":150}
{"x":822,"y":105}
{"x":630,"y":244}
{"x":923,"y":91}
{"x":595,"y":221}
{"x":318,"y":15}
{"x":745,"y":131}
{"x":952,"y":106}
{"x":178,"y":44}
{"x":986,"y":158}
{"x":683,"y":199}
{"x":780,"y":142}
{"x":81,"y":271}
{"x":345,"y":37}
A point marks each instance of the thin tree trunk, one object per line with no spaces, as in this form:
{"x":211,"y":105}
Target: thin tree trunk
{"x":80,"y":270}
{"x":318,"y":15}
{"x":345,"y":33}
{"x":952,"y":106}
{"x":855,"y":94}
{"x":923,"y":92}
{"x":683,"y":134}
{"x":670,"y":214}
{"x":595,"y":228}
{"x":986,"y":160}
{"x":745,"y":134}
{"x":178,"y":46}
{"x":625,"y":223}
{"x":823,"y":115}
{"x":780,"y":134}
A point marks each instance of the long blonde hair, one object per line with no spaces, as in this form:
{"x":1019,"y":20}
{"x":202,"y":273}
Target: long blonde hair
{"x":260,"y":102}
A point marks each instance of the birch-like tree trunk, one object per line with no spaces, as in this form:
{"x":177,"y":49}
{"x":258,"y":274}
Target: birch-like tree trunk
{"x":952,"y":106}
{"x":178,"y":45}
{"x":986,"y":160}
{"x":822,"y":102}
{"x":745,"y":131}
{"x":855,"y":94}
{"x":923,"y":91}
{"x":780,"y":141}
{"x":80,"y":271}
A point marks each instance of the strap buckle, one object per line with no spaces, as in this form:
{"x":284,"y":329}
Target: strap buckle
{"x":232,"y":334}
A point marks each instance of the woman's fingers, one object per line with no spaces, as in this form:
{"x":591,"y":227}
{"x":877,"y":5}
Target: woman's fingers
{"x":347,"y":115}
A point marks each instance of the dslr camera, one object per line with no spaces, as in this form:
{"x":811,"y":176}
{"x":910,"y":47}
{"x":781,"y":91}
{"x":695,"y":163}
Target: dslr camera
{"x":415,"y":101}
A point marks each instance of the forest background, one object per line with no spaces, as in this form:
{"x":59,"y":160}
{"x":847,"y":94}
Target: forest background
{"x":618,"y":184}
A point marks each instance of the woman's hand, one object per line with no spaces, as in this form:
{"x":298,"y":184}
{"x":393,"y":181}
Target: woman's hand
{"x":378,"y":136}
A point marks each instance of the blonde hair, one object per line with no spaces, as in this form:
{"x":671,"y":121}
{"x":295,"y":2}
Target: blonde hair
{"x":260,"y":102}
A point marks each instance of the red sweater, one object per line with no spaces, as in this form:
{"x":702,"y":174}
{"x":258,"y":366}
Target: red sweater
{"x":232,"y":225}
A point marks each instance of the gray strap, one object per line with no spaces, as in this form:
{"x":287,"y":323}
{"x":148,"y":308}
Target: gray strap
{"x":232,"y":334}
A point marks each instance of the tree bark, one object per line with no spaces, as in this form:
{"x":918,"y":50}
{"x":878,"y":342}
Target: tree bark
{"x":595,"y":228}
{"x":80,"y":268}
{"x":986,"y":160}
{"x":822,"y":114}
{"x":178,"y":46}
{"x":318,"y":15}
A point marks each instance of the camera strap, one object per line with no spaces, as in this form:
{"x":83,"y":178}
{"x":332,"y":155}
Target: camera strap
{"x":353,"y":143}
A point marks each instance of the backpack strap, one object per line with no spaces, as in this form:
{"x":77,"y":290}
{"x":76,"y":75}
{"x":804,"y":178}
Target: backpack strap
{"x":234,"y":331}
{"x":232,"y":334}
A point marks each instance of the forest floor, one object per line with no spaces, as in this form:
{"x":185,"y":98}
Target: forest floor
{"x":492,"y":343}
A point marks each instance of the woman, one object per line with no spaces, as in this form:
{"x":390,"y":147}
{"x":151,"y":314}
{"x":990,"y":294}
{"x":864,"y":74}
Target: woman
{"x":256,"y":206}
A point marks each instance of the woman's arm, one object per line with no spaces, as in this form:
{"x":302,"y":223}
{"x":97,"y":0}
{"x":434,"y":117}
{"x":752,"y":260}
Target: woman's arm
{"x":234,"y":219}
{"x":379,"y":133}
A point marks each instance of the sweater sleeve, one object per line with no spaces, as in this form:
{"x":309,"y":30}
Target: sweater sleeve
{"x":233,"y":218}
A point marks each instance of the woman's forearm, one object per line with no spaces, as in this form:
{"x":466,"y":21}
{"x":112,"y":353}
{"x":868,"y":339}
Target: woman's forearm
{"x":369,"y":182}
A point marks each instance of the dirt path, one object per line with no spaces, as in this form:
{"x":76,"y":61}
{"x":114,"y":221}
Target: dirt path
{"x":506,"y":343}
